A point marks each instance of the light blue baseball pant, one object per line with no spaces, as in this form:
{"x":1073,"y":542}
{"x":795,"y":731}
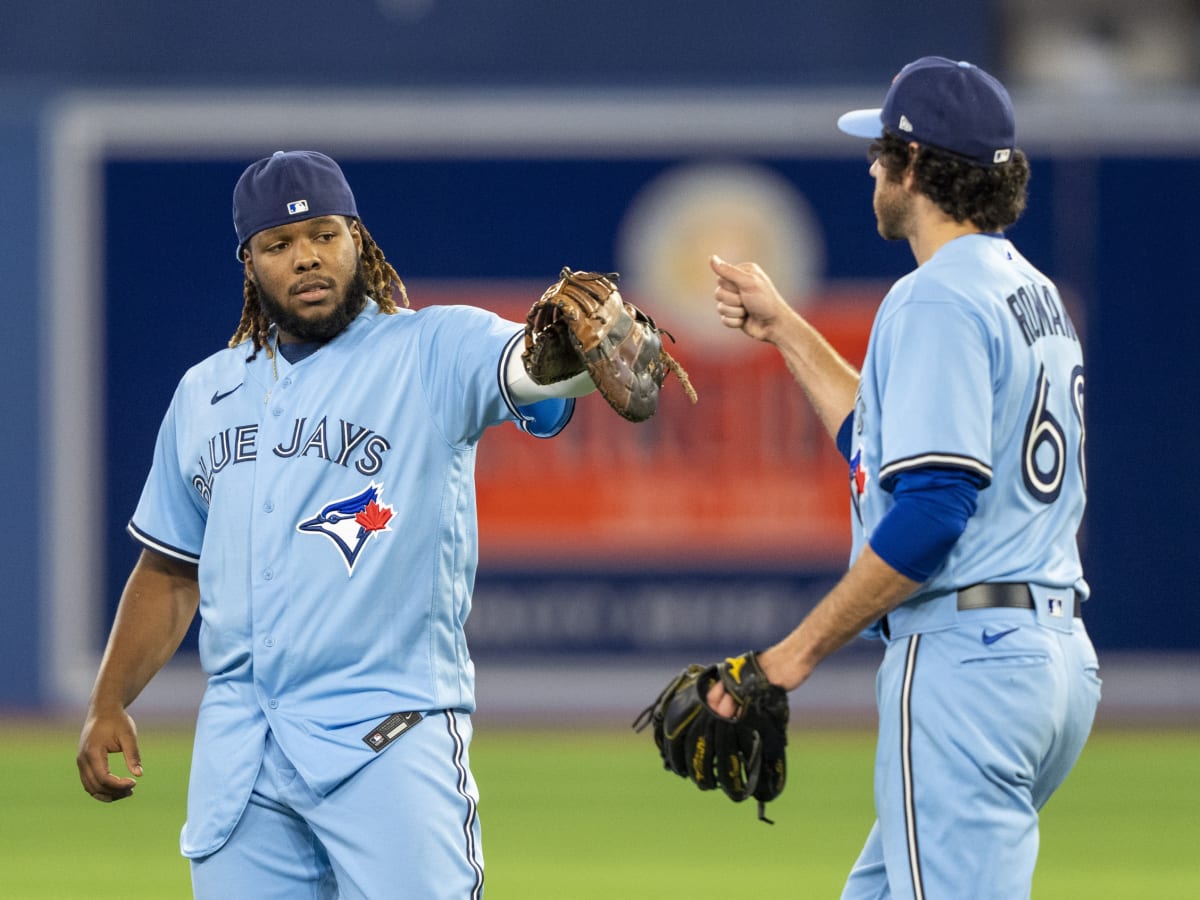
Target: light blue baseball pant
{"x":404,"y":826}
{"x":975,"y":733}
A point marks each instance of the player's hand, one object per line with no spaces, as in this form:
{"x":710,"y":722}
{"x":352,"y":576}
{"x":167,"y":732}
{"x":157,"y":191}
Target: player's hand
{"x":747,"y":298}
{"x":772,"y":664}
{"x":719,"y":700}
{"x":104,"y":734}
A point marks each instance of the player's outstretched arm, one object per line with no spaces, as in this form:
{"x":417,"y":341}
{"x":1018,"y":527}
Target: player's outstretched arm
{"x":157,"y":606}
{"x":582,"y":325}
{"x":748,"y":300}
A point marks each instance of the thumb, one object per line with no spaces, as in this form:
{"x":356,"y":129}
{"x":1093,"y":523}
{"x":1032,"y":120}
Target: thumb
{"x":741,"y":276}
{"x":133,"y":757}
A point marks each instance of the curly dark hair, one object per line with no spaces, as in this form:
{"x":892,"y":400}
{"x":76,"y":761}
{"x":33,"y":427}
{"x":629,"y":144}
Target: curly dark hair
{"x":383,"y":286}
{"x":991,"y":199}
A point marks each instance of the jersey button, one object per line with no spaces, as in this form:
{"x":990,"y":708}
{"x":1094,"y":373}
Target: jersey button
{"x":270,"y":642}
{"x":274,"y":704}
{"x":269,"y":507}
{"x":268,"y":575}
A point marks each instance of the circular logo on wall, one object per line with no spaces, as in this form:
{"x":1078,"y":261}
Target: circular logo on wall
{"x":743,"y":212}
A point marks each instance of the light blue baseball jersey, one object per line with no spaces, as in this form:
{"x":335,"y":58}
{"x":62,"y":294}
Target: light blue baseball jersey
{"x":973,"y":363}
{"x":330,"y":506}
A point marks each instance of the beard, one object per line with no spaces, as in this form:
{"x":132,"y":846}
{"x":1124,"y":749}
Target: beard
{"x":893,"y":212}
{"x":324,"y":328}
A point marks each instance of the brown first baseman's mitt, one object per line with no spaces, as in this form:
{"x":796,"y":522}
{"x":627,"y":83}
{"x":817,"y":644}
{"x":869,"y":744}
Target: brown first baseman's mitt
{"x":581,"y":322}
{"x":744,"y":755}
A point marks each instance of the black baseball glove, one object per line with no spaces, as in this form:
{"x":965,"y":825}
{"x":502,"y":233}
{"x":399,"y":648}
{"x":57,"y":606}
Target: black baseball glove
{"x":744,"y":755}
{"x":581,"y":322}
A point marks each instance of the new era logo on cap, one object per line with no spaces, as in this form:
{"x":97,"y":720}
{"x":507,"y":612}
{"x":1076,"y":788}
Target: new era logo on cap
{"x":297,"y":206}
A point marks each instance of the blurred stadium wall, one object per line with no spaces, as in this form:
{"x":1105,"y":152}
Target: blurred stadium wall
{"x":490,"y":143}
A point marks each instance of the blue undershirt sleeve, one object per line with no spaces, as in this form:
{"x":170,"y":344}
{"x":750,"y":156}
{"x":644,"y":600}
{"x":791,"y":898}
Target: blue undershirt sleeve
{"x":548,"y":417}
{"x":930,"y":514}
{"x":844,"y":437}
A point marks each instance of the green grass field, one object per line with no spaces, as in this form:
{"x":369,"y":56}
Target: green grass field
{"x":584,"y":815}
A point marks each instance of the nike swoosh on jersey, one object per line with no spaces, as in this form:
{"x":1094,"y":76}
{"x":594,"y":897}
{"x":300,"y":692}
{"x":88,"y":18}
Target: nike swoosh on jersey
{"x":992,"y":638}
{"x":218,"y":396}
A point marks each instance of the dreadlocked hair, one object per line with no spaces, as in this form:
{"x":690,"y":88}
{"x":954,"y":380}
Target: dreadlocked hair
{"x":383,"y":286}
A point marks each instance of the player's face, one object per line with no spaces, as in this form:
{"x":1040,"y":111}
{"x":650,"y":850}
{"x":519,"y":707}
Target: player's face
{"x":893,"y":205}
{"x":309,"y":276}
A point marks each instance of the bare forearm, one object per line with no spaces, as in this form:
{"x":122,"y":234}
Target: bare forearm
{"x":829,"y":382}
{"x":748,"y":301}
{"x":156,"y":608}
{"x":158,"y":603}
{"x":869,"y":590}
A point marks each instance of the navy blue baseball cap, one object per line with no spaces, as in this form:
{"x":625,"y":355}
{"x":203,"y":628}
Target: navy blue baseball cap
{"x":288,"y":186}
{"x":953,"y":106}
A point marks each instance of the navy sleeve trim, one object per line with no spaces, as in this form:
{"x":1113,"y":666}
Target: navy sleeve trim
{"x":502,"y":373}
{"x":158,"y":546}
{"x":888,"y":473}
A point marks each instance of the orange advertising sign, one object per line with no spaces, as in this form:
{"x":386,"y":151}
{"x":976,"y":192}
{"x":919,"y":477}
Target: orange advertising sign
{"x":747,"y":476}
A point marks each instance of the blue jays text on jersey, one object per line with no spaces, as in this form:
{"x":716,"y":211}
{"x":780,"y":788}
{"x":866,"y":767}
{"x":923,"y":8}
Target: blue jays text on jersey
{"x":344,"y":444}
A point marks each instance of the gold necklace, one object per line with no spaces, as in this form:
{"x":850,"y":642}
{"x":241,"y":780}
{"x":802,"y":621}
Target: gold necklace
{"x":274,"y":353}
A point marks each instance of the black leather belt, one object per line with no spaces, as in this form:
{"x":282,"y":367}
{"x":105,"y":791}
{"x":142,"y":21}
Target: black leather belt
{"x":1008,"y":595}
{"x":996,"y":595}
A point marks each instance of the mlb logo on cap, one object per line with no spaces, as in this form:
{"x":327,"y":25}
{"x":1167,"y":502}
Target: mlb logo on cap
{"x":297,"y":206}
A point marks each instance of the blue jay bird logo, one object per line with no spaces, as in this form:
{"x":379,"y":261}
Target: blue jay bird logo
{"x":858,"y":482}
{"x":351,"y":522}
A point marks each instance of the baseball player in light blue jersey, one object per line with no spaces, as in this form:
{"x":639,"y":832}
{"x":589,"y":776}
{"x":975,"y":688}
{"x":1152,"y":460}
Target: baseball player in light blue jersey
{"x":964,"y":435}
{"x":312,"y":495}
